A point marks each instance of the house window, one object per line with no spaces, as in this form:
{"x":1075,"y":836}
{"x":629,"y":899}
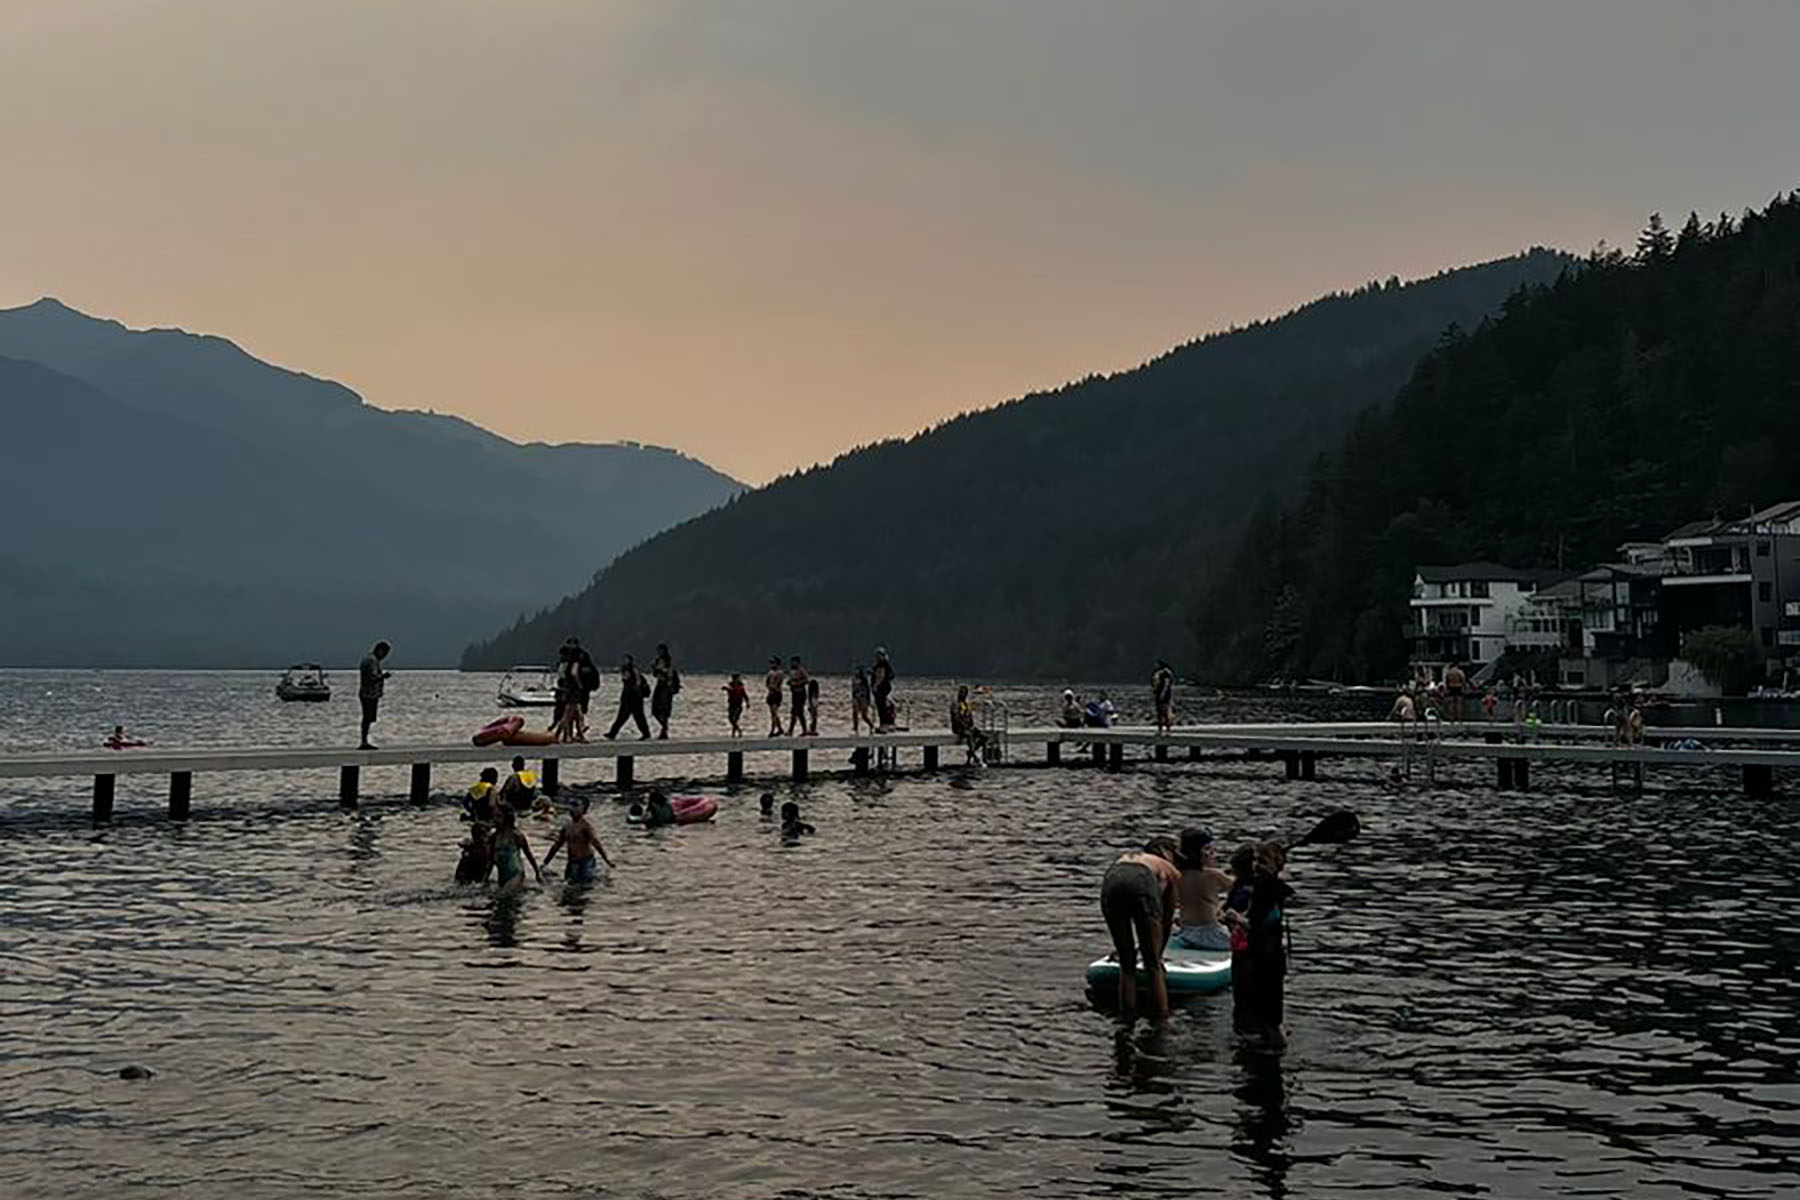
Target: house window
{"x":1762,"y":592}
{"x":1762,"y":549}
{"x":1479,"y":589}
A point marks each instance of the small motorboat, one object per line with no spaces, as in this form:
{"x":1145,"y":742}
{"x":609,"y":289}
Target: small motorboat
{"x":303,"y":681}
{"x":528,"y":687}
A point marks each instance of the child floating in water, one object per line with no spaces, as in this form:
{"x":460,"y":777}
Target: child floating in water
{"x":791,"y":824}
{"x":736,"y":696}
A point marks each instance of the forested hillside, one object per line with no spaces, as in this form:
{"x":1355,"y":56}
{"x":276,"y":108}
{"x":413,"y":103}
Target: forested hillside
{"x":1614,"y":404}
{"x":1060,"y":534}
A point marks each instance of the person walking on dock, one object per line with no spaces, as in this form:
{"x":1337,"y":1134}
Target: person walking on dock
{"x":736,"y":697}
{"x":774,"y":682}
{"x":633,"y":687}
{"x":1162,"y":690}
{"x":371,"y":683}
{"x":860,"y":700}
{"x":662,"y":696}
{"x":881,"y":682}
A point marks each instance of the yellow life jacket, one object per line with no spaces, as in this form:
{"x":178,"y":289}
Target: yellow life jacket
{"x":481,"y":790}
{"x":528,"y":778}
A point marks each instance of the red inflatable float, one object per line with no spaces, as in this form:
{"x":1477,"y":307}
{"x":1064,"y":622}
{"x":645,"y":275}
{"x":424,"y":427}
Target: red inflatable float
{"x":498,"y":730}
{"x":691,"y":810}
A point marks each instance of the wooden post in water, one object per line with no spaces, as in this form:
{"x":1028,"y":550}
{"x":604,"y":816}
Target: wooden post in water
{"x":930,"y":758}
{"x":181,"y":794}
{"x":1099,"y":749}
{"x":859,"y":761}
{"x":799,"y":765}
{"x":1161,"y":753}
{"x":1053,"y":753}
{"x":626,"y":766}
{"x":1194,"y":753}
{"x":734,"y":766}
{"x":551,"y":781}
{"x":1759,"y":780}
{"x":420,"y":791}
{"x":1115,"y":757}
{"x":1309,"y":761}
{"x":1522,"y":774}
{"x":1505,"y":780}
{"x":1291,"y":762}
{"x":349,"y":779}
{"x":103,"y":797}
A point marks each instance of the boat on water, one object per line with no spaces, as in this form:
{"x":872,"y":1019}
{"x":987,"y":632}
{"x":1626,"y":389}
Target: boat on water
{"x":303,"y":681}
{"x":527,"y":687}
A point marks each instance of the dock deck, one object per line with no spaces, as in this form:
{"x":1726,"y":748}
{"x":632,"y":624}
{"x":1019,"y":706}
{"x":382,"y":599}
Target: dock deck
{"x":1756,"y":751}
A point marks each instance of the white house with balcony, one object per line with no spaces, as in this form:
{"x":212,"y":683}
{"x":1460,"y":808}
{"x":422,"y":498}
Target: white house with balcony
{"x":1469,"y":614}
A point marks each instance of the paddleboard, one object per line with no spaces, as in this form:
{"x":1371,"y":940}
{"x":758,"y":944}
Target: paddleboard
{"x":1189,"y":972}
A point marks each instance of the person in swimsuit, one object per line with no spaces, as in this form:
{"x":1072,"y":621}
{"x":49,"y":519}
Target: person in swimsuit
{"x":1162,"y":690}
{"x":477,"y":855}
{"x":861,"y":697}
{"x":520,"y":788}
{"x":662,"y":696}
{"x":736,"y":697}
{"x":659,"y":811}
{"x":1455,"y":681}
{"x":767,"y":805}
{"x":583,"y":841}
{"x":1237,"y":906}
{"x":1203,"y":891}
{"x":798,"y":680}
{"x":881,"y":687}
{"x":512,"y":850}
{"x":1137,"y":898}
{"x":774,"y":682}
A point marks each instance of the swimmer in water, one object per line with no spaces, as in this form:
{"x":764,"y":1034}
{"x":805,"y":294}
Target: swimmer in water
{"x":520,"y":788}
{"x":477,"y":855}
{"x":768,"y":805}
{"x":583,"y":841}
{"x":478,"y":805}
{"x":791,"y":824}
{"x":511,"y":851}
{"x":659,"y":811}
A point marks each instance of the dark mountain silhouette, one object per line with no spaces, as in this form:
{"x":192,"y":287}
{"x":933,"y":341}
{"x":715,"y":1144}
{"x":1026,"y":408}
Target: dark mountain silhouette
{"x":192,"y":505}
{"x":1614,"y":404}
{"x":1060,"y":534}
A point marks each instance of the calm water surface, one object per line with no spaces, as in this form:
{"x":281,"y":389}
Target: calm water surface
{"x":1561,"y":994}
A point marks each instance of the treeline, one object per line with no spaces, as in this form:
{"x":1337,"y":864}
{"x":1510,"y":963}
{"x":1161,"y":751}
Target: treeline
{"x":1613,"y":404}
{"x":1062,"y":534}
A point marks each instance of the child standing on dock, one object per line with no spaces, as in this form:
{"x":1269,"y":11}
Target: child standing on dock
{"x":1162,"y":691}
{"x":860,"y":699}
{"x":371,"y":682}
{"x":797,"y":681}
{"x":736,"y":697}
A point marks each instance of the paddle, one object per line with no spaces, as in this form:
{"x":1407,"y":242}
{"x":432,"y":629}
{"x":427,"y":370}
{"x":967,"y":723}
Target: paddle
{"x":1334,"y":830}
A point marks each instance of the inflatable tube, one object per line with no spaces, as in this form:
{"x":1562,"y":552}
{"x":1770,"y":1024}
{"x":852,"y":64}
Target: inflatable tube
{"x":691,"y":810}
{"x":530,"y":737}
{"x":1189,"y":973}
{"x":498,"y":730}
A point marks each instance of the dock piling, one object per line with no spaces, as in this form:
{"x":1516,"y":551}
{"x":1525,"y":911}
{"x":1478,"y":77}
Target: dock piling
{"x":349,"y":782}
{"x":1309,"y":761}
{"x":181,"y":795}
{"x":1099,"y":750}
{"x":626,"y":768}
{"x":734,"y":766}
{"x":551,"y":781}
{"x":1161,"y":752}
{"x":1053,"y":753}
{"x":799,"y":765}
{"x":1759,"y":780}
{"x":930,"y":758}
{"x":103,"y":797}
{"x":1115,"y":757}
{"x":859,"y":761}
{"x":420,"y":791}
{"x":1291,"y":762}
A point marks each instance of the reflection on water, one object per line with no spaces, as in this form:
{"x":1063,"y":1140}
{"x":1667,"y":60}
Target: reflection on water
{"x":1564,"y":993}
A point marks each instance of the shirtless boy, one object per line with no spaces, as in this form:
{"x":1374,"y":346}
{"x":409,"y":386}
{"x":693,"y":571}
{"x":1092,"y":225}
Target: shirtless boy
{"x":1203,"y":891}
{"x":585,"y":853}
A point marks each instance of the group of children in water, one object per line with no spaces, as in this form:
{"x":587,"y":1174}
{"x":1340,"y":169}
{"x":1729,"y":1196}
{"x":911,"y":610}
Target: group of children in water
{"x":1241,"y":911}
{"x":497,"y":847}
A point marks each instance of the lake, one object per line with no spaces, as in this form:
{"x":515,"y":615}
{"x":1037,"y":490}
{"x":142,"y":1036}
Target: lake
{"x":1560,"y":993}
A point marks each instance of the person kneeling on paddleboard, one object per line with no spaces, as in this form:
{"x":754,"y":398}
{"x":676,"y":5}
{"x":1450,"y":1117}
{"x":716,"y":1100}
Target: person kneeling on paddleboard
{"x":1137,"y":898}
{"x":1203,"y":891}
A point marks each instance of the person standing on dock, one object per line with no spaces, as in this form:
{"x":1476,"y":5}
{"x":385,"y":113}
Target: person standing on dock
{"x":1456,"y":682}
{"x":662,"y":696}
{"x":881,"y":682}
{"x":1162,"y":690}
{"x":860,"y":700}
{"x":371,"y":683}
{"x":774,"y":682}
{"x":798,"y":688}
{"x":633,"y":687}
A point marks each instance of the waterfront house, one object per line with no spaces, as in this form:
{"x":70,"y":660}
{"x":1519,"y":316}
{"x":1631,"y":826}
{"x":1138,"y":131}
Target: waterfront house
{"x":1744,"y":573}
{"x":1460,"y":614}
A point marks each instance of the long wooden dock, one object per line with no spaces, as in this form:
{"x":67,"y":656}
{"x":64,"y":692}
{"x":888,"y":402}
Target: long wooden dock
{"x":1298,"y":746}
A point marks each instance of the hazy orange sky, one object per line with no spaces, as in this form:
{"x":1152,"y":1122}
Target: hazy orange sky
{"x":766,"y":231}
